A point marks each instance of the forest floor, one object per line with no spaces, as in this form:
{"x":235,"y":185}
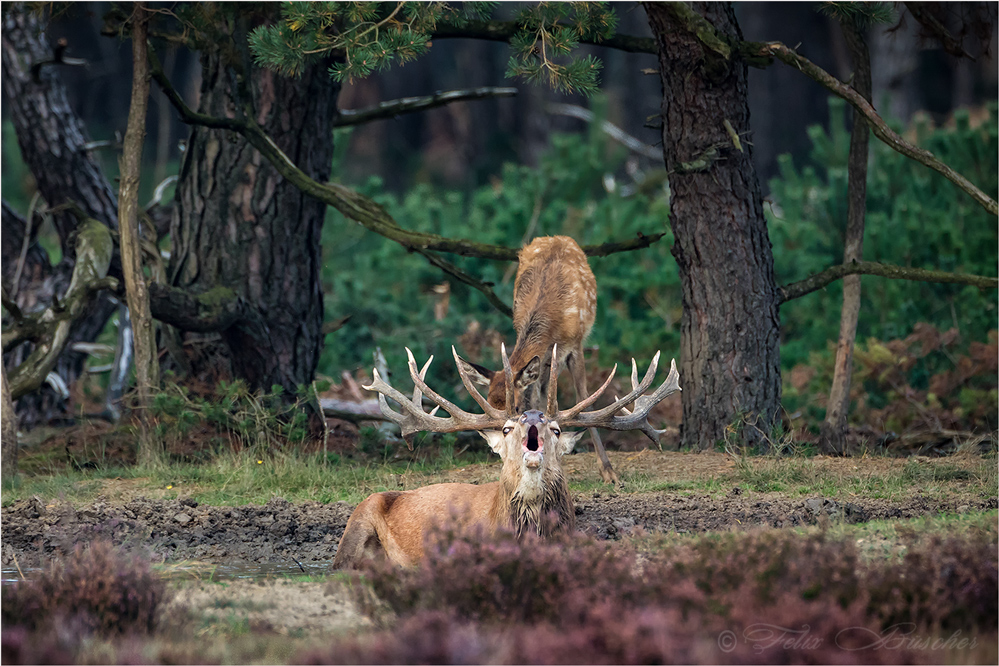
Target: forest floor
{"x":242,"y":573}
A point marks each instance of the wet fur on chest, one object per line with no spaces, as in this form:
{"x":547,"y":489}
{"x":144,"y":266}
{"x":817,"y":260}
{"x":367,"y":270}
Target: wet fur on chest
{"x":546,"y":510}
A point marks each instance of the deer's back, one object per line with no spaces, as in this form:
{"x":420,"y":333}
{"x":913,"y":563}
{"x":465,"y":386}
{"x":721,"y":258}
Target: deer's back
{"x":555,"y":294}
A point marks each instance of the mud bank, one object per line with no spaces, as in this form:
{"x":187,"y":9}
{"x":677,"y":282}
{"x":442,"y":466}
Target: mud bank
{"x":170,"y":530}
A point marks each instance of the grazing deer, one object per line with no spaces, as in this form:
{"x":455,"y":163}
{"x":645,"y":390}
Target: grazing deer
{"x":531,"y":444}
{"x":554,"y":302}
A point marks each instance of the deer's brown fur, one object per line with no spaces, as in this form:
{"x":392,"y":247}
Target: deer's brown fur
{"x":394,"y":523}
{"x":554,"y":302}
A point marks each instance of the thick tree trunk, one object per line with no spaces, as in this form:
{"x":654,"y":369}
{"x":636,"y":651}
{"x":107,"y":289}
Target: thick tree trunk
{"x":51,"y":137}
{"x":832,"y":438}
{"x":240,"y":225}
{"x":730,"y":330}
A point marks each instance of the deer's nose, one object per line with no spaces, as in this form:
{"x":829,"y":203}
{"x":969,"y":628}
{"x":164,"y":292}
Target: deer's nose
{"x":533,"y":417}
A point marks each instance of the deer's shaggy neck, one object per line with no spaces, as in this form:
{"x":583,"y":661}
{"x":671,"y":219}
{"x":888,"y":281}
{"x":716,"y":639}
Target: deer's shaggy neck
{"x":541,"y":505}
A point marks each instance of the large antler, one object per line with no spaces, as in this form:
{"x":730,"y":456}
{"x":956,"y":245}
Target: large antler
{"x":638,"y":419}
{"x":414,"y":419}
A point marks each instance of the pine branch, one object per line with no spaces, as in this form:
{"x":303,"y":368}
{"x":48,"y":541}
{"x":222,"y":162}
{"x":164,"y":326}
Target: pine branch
{"x":951,"y":45}
{"x":833,"y":273}
{"x":397,"y":107}
{"x":878,"y":125}
{"x":354,"y":205}
{"x":503,"y":31}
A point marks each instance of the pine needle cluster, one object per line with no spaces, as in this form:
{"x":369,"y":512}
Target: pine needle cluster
{"x":364,"y":37}
{"x":550,"y":31}
{"x":864,"y":14}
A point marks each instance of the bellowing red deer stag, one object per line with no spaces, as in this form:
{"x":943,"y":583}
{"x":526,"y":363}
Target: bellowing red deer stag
{"x":531,"y":444}
{"x":554,"y":302}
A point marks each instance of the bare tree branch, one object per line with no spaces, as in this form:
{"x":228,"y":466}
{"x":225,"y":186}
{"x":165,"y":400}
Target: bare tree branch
{"x":354,"y":205}
{"x":94,"y":248}
{"x":462,"y":276}
{"x":819,"y":280}
{"x":502,"y":31}
{"x":609,"y":128}
{"x":363,"y":210}
{"x":398,"y":107}
{"x":351,"y":411}
{"x":878,"y":125}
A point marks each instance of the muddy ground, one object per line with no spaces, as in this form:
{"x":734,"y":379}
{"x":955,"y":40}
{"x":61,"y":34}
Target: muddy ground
{"x":178,"y":529}
{"x":260,"y":615}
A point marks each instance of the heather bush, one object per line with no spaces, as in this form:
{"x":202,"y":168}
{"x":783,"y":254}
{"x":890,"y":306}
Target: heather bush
{"x":763,"y":597}
{"x":19,"y":645}
{"x":97,"y":589}
{"x":792,"y":632}
{"x":946,"y":584}
{"x":502,"y":578}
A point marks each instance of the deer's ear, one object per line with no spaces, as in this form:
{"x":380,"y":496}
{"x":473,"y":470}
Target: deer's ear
{"x":528,"y":374}
{"x":567,"y":441}
{"x":495,"y":439}
{"x":476,"y":372}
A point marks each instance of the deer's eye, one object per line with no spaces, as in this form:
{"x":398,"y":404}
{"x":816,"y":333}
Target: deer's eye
{"x":506,"y":430}
{"x":556,"y":432}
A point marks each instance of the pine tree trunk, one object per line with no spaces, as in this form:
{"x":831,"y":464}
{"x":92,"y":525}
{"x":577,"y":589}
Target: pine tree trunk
{"x":730,"y":330}
{"x":51,"y":137}
{"x":240,"y":225}
{"x":832,"y":437}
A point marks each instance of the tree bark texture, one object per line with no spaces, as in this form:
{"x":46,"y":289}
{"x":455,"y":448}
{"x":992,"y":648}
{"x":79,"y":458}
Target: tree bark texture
{"x":730,"y":331}
{"x":143,"y":331}
{"x":51,"y":137}
{"x":832,"y":437}
{"x":146,"y":365}
{"x":239,"y":225}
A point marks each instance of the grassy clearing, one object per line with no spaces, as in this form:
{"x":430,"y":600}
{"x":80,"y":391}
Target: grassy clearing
{"x":246,"y":477}
{"x":868,"y":476}
{"x":253,"y":477}
{"x":876,"y":539}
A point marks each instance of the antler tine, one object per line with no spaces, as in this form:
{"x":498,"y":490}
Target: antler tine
{"x":586,"y":402}
{"x":412,"y":422}
{"x":414,"y":419}
{"x":552,"y":406}
{"x":634,"y":376}
{"x":637,"y":419}
{"x":474,"y":392}
{"x":451,"y":408}
{"x":613,"y":408}
{"x":508,"y":375}
{"x":417,"y":393}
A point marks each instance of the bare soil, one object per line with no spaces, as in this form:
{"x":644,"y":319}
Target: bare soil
{"x":172,"y":530}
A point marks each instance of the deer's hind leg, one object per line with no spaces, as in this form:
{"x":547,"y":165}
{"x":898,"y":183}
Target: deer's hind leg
{"x":574,"y":361}
{"x":365,"y":534}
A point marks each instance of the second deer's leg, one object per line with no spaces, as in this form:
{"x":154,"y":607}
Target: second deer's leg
{"x":575,"y":364}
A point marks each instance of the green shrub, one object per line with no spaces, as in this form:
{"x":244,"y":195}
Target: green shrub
{"x":389,"y":294}
{"x":915,"y":217}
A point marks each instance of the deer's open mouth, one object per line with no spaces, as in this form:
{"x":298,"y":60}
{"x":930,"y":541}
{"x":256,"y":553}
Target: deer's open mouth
{"x":533,"y":448}
{"x":533,"y":442}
